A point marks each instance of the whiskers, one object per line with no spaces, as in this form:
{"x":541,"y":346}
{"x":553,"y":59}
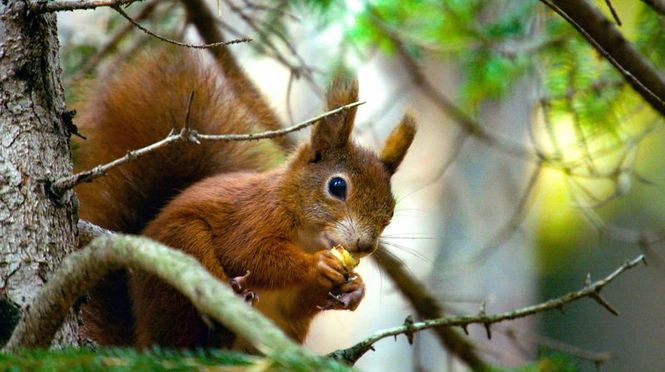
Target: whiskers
{"x":392,"y":258}
{"x":416,"y":212}
{"x":408,"y":237}
{"x":412,"y":251}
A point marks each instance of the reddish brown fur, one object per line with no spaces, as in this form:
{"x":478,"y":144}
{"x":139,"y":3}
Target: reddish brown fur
{"x":277,"y":224}
{"x":398,"y":143}
{"x":138,"y":106}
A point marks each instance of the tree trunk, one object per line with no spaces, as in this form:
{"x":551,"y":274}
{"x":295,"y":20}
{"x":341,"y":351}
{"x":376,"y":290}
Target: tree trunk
{"x":36,"y":230}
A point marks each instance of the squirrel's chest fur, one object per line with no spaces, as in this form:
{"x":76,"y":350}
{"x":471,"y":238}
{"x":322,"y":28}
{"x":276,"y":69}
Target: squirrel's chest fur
{"x":222,"y":215}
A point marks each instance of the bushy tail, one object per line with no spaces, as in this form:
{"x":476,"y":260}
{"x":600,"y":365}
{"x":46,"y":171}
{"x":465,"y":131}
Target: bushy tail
{"x":140,"y":105}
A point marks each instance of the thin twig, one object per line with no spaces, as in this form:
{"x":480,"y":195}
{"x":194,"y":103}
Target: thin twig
{"x":597,"y":357}
{"x":267,"y":47}
{"x":577,"y":125}
{"x":596,"y":87}
{"x":175,"y":42}
{"x":427,"y":307}
{"x":558,"y":161}
{"x":590,"y":290}
{"x":613,"y":11}
{"x":303,"y":69}
{"x":420,"y":80}
{"x":199,"y":15}
{"x":608,"y":41}
{"x":112,"y":43}
{"x":289,"y":91}
{"x":627,"y":143}
{"x":44,"y":6}
{"x":274,"y":9}
{"x":644,"y":239}
{"x":186,"y":135}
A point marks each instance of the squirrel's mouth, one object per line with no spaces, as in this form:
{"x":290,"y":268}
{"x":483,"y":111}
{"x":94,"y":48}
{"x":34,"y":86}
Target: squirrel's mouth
{"x":351,"y":248}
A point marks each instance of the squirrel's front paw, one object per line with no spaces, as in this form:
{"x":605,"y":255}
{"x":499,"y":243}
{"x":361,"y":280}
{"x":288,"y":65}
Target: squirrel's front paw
{"x":239,"y":286}
{"x":348,"y":296}
{"x":330,"y":272}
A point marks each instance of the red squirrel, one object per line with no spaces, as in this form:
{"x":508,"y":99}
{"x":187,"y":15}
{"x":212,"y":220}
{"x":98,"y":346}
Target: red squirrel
{"x":220,"y":203}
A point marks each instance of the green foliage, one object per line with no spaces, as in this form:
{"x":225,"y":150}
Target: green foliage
{"x":488,"y":75}
{"x":451,"y":29}
{"x":496,"y":43}
{"x":74,"y":56}
{"x":120,"y":359}
{"x":650,"y":36}
{"x":320,"y":5}
{"x":117,"y":360}
{"x":579,"y":82}
{"x":547,"y":363}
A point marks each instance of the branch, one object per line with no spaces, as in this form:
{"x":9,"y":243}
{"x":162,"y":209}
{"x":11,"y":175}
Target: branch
{"x":419,"y":79}
{"x":602,"y":35}
{"x":88,"y":231}
{"x":424,"y":303}
{"x":199,"y":15}
{"x":597,"y":357}
{"x":591,"y":290}
{"x":427,"y":307}
{"x":118,"y":9}
{"x":644,"y":239}
{"x":186,"y":134}
{"x":80,"y":271}
{"x":112,"y":43}
{"x":43,"y":6}
{"x":300,"y":70}
{"x":615,"y":15}
{"x":657,"y":5}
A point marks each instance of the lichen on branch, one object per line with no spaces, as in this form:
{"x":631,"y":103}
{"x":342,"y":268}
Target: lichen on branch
{"x":80,"y":271}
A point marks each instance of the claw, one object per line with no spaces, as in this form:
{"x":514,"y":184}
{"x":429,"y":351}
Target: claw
{"x":238,"y":283}
{"x":250,"y":297}
{"x":335,"y":297}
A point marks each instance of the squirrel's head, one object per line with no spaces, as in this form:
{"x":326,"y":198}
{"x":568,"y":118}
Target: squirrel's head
{"x":340,"y":190}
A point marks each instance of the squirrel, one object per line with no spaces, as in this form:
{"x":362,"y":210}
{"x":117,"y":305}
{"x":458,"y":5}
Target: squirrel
{"x":267,"y":232}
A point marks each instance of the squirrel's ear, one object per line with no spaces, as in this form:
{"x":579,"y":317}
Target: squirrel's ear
{"x":335,"y":130}
{"x":398,"y":143}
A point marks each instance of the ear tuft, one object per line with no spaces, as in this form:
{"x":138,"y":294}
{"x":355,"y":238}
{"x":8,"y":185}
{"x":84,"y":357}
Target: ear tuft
{"x":343,"y":89}
{"x":398,"y":143}
{"x":335,"y":131}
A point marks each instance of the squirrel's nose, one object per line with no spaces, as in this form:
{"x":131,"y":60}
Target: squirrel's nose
{"x":365,"y":247}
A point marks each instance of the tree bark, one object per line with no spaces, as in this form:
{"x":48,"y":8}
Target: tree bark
{"x":36,"y":229}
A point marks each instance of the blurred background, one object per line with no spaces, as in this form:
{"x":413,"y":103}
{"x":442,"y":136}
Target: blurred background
{"x":535,"y":163}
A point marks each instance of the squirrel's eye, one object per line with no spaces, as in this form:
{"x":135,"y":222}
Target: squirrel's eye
{"x":337,"y":187}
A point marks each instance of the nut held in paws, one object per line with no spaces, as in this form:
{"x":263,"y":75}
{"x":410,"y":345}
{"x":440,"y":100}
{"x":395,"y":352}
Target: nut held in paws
{"x":344,"y":257}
